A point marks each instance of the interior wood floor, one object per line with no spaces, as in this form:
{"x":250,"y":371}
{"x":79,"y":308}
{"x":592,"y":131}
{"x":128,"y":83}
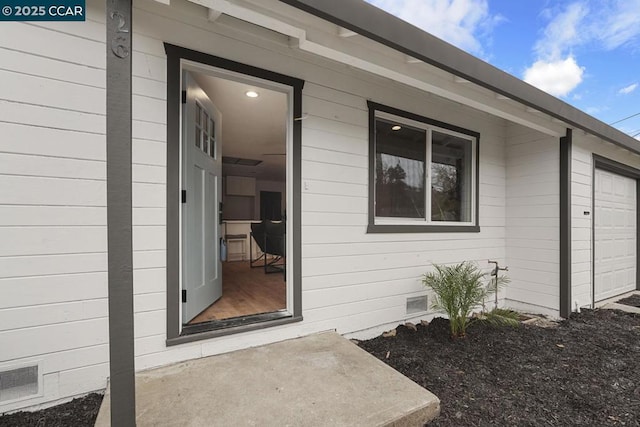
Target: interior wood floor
{"x":245,"y":291}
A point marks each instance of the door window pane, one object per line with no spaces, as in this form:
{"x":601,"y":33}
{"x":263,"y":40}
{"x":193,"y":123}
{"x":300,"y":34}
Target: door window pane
{"x":400,"y":170}
{"x":450,"y":178}
{"x":212,"y":133}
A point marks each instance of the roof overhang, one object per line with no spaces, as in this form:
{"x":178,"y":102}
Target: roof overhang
{"x":359,"y":17}
{"x":322,"y":38}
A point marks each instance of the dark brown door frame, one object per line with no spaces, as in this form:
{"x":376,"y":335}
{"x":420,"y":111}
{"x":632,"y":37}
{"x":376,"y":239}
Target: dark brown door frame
{"x":175,"y":55}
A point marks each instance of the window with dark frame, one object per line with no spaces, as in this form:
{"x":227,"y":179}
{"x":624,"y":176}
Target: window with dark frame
{"x":424,"y":174}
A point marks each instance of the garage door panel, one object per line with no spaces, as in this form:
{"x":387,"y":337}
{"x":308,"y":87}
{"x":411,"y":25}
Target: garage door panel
{"x":605,"y":186}
{"x":619,"y":186}
{"x":605,"y":282}
{"x":615,"y":235}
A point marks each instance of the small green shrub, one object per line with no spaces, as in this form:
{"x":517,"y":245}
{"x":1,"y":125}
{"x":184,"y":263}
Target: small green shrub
{"x":500,"y":317}
{"x":458,"y":290}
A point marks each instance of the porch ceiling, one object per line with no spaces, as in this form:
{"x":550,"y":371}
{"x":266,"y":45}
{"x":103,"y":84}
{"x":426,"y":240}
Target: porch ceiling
{"x":359,"y":17}
{"x":355,"y":33}
{"x":325,"y":39}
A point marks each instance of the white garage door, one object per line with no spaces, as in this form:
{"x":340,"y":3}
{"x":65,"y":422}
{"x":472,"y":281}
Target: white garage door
{"x":615,"y":235}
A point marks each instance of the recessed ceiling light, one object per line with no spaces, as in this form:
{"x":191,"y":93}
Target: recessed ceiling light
{"x":252,"y":94}
{"x":396,"y":127}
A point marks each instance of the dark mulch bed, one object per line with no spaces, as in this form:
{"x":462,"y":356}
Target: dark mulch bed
{"x":79,"y":412}
{"x":633,"y":300}
{"x":584,"y":372}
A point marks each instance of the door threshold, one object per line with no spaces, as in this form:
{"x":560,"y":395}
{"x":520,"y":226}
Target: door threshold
{"x":215,"y":329}
{"x":213,"y":325}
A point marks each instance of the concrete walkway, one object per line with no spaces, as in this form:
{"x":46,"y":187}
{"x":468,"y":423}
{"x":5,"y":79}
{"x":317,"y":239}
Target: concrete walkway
{"x":613,"y":304}
{"x":318,"y":380}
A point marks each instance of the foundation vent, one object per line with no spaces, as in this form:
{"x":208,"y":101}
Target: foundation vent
{"x":18,"y":383}
{"x":417,"y":304}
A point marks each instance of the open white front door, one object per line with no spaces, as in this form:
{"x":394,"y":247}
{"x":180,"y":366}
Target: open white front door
{"x":202,"y":181}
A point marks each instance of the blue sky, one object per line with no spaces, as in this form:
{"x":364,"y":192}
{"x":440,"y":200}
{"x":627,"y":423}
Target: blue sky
{"x":585,"y":52}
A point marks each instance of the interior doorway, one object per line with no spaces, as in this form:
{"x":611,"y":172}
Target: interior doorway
{"x":236,"y":132}
{"x":271,"y":205}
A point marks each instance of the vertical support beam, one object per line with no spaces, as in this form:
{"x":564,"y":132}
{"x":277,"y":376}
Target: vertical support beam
{"x":174,"y":194}
{"x":119,"y":203}
{"x":297,"y":198}
{"x":565,"y":224}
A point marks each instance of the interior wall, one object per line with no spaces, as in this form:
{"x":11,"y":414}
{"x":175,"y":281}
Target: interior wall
{"x":248,"y":207}
{"x":236,"y":207}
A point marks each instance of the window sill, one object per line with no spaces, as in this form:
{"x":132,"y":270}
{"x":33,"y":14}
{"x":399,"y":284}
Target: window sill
{"x":410,"y":228}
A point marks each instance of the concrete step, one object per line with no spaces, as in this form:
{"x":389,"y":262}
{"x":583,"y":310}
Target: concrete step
{"x":317,"y":380}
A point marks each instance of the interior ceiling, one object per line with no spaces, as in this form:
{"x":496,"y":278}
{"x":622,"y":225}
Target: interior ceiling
{"x":252,"y":128}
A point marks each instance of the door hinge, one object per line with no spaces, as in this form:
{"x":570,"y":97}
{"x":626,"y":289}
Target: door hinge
{"x":184,"y":196}
{"x":184,"y":96}
{"x":184,"y":295}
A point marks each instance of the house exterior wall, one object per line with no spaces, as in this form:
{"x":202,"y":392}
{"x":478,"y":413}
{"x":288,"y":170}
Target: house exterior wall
{"x":533,"y":221}
{"x":582,"y":152}
{"x":53,"y":260}
{"x":53,"y":196}
{"x":351,"y":280}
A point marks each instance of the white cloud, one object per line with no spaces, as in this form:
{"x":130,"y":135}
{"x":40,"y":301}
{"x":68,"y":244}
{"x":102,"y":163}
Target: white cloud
{"x":607,"y":24}
{"x":617,"y":23}
{"x":628,"y":89}
{"x":555,"y":70}
{"x":459,"y":22}
{"x":594,"y":24}
{"x":597,"y":110}
{"x":563,"y":32}
{"x":556,"y":77}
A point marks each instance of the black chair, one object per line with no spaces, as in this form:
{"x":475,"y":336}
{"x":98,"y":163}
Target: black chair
{"x":271,"y":240}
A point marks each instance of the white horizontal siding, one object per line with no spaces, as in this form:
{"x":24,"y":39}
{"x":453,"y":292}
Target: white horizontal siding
{"x":53,"y":271}
{"x":60,"y":143}
{"x":49,"y":314}
{"x":39,"y":290}
{"x":348,"y":274}
{"x":48,"y":92}
{"x":49,"y":265}
{"x":51,"y":338}
{"x":340,"y":261}
{"x":533,"y":220}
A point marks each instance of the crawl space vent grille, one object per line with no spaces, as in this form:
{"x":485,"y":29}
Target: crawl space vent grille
{"x":417,"y":304}
{"x":18,"y":383}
